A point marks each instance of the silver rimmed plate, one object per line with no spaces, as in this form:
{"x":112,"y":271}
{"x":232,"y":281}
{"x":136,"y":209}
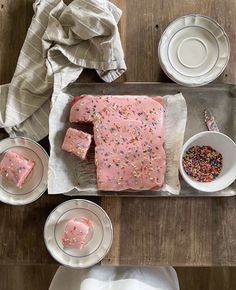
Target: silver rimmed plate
{"x":96,"y":247}
{"x":194,"y":50}
{"x":36,"y":183}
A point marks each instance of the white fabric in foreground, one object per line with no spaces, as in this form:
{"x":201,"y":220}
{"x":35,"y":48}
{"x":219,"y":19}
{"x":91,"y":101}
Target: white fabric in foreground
{"x":115,"y":278}
{"x":61,"y":41}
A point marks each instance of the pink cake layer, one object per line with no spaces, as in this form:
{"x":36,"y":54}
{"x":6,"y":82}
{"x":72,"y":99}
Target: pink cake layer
{"x":140,"y":108}
{"x":76,"y":233}
{"x":129,"y":138}
{"x":15,"y":168}
{"x":77,"y":142}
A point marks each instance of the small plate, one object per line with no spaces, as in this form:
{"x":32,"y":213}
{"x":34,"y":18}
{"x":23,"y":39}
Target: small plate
{"x":100,"y":240}
{"x":194,"y":50}
{"x":36,"y":183}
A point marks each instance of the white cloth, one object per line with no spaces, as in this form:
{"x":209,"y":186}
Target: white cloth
{"x":115,"y":278}
{"x":61,"y":41}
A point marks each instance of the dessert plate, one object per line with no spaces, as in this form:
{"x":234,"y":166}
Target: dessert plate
{"x":194,"y":50}
{"x":96,"y":247}
{"x":36,"y":183}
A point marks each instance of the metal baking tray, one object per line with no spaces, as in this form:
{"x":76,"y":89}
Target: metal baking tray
{"x":220,"y":98}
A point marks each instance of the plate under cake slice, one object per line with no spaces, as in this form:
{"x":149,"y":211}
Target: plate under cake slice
{"x":129,"y":137}
{"x":15,"y":168}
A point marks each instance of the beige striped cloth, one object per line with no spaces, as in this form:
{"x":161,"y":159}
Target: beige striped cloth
{"x":61,"y":41}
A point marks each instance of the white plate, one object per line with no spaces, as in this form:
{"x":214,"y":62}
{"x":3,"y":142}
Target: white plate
{"x":36,"y":183}
{"x":194,"y":50}
{"x":96,"y":248}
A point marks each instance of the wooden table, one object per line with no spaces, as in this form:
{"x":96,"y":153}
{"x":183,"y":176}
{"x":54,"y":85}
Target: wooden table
{"x":147,"y":231}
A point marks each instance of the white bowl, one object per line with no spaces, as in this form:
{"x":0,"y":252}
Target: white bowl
{"x":222,"y":144}
{"x":194,"y":50}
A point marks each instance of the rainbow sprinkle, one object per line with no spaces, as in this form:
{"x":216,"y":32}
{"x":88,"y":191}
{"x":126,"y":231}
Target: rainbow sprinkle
{"x":203,"y":164}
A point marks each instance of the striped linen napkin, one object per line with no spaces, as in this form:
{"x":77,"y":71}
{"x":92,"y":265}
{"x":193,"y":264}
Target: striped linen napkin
{"x":61,"y":41}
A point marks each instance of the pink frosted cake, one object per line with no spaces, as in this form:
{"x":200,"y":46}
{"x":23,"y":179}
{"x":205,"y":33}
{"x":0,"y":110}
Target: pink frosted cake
{"x":76,"y":233}
{"x":96,"y":108}
{"x":77,"y":142}
{"x":15,"y":168}
{"x":129,"y":137}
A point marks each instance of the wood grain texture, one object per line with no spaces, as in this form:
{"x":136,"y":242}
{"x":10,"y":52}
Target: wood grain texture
{"x":146,"y":231}
{"x":21,"y":231}
{"x":214,"y":278}
{"x":15,"y":18}
{"x":170,"y":231}
{"x":40,"y":277}
{"x":143,"y":23}
{"x":26,"y":277}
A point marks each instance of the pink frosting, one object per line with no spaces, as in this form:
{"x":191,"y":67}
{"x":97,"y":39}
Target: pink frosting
{"x":76,"y":232}
{"x":129,"y":137}
{"x":77,"y":142}
{"x":15,"y":168}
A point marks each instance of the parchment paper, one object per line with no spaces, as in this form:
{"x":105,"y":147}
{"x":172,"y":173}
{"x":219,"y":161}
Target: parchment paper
{"x":70,"y":175}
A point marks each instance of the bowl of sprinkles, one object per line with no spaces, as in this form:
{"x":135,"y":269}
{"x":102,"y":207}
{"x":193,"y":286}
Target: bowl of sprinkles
{"x":208,"y":161}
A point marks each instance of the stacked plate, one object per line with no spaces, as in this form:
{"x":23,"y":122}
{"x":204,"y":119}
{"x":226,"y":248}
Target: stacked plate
{"x":194,"y":50}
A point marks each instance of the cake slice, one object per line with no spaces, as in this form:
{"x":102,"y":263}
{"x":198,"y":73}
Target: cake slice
{"x":15,"y":168}
{"x":129,"y":155}
{"x":76,"y":233}
{"x":77,"y":142}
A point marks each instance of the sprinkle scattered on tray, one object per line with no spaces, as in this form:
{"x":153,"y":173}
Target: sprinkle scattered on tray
{"x":202,"y":163}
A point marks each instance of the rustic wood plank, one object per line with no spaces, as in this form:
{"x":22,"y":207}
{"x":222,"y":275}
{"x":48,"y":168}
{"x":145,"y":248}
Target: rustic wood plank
{"x":147,"y":231}
{"x":170,"y":231}
{"x":39,"y":277}
{"x":21,"y":228}
{"x":15,"y":18}
{"x":214,"y":278}
{"x":143,"y":22}
{"x":26,"y":277}
{"x":21,"y":231}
